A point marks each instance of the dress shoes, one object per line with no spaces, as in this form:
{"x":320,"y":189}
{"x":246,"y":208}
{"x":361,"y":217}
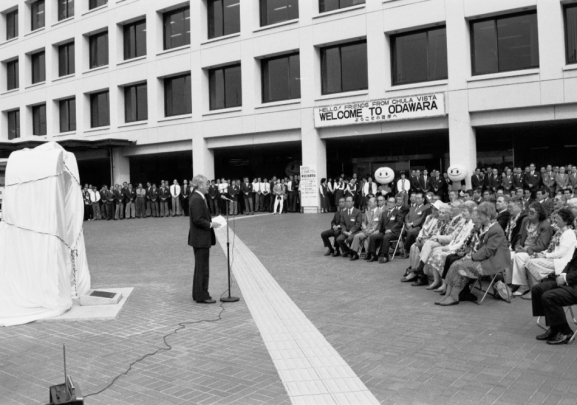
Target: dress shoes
{"x":374,"y":258}
{"x":330,"y":252}
{"x":210,"y":301}
{"x":409,"y":277}
{"x":336,"y":254}
{"x":559,"y":339}
{"x":354,"y":257}
{"x":368,"y":257}
{"x":420,"y":282}
{"x":384,"y":260}
{"x":546,"y":336}
{"x":346,"y":254}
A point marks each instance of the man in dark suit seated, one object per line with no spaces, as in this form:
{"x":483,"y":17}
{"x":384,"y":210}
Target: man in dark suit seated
{"x":550,"y":297}
{"x":414,"y":219}
{"x":503,"y":215}
{"x":389,"y":228}
{"x":546,"y":202}
{"x":201,"y":237}
{"x":334,"y":232}
{"x":351,"y":221}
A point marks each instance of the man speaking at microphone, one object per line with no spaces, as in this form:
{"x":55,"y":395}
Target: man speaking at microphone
{"x":201,"y":237}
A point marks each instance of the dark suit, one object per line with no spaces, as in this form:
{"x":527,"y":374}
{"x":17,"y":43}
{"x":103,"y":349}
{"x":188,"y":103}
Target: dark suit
{"x":516,"y":231}
{"x":416,"y":216}
{"x":503,"y":218}
{"x":548,"y":205}
{"x":350,"y":223}
{"x":533,"y":181}
{"x":414,"y":184}
{"x":390,"y":221}
{"x":494,"y":182}
{"x":518,"y":181}
{"x":477,"y":182}
{"x":246,"y":189}
{"x":331,"y":233}
{"x":549,"y":299}
{"x":507,"y":182}
{"x":424,"y":185}
{"x":201,"y":237}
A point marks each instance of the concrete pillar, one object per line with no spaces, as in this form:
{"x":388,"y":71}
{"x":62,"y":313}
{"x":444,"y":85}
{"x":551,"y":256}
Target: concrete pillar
{"x":314,"y":151}
{"x":120,"y":167}
{"x":202,"y":157}
{"x":462,"y":139}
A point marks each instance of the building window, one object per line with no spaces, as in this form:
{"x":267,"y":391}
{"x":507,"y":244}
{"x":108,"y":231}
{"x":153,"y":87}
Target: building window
{"x":225,"y":87}
{"x":13,"y":75}
{"x":38,"y":14}
{"x":419,"y":56}
{"x":571,"y":33}
{"x":99,"y":50}
{"x":330,"y":5}
{"x":344,"y":68}
{"x":223,"y":17}
{"x":177,"y":28}
{"x":135,"y":40}
{"x":38,"y":67}
{"x":99,"y":110}
{"x":65,"y":9}
{"x":39,"y":120}
{"x":12,"y":24}
{"x":13,"y":124}
{"x":503,"y":44}
{"x":68,"y":115}
{"x":275,"y":11}
{"x":66,"y":59}
{"x":96,"y":3}
{"x":136,"y":103}
{"x":281,"y":78}
{"x":177,"y":95}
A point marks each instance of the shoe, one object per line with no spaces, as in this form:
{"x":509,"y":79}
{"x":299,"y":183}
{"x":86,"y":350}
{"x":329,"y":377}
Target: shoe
{"x":373,"y":259}
{"x":384,"y":260}
{"x":329,"y":252}
{"x":522,"y":290}
{"x":354,"y":257}
{"x":207,"y":302}
{"x":408,"y":278}
{"x":420,"y":282}
{"x":448,"y":304}
{"x":559,"y":339}
{"x":368,"y":257}
{"x":346,"y":254}
{"x":336,"y":254}
{"x":546,"y":336}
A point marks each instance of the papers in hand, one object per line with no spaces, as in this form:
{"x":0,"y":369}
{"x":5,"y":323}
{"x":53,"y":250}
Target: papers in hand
{"x":220,"y":220}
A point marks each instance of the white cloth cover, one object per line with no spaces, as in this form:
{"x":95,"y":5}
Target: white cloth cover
{"x":40,"y":234}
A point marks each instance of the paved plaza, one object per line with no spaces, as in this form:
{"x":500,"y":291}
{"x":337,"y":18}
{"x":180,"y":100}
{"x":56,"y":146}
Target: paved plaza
{"x":397,"y":345}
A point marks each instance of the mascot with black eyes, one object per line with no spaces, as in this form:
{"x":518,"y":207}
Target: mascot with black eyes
{"x":384,"y":176}
{"x":457,"y":174}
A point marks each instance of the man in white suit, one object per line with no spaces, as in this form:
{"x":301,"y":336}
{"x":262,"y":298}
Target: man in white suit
{"x":403,"y":187}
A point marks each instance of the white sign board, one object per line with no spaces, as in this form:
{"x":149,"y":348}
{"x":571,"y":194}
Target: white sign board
{"x":390,"y":109}
{"x":308,"y":186}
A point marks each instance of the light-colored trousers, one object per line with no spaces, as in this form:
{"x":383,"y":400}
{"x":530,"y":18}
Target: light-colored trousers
{"x":176,"y":210}
{"x":130,"y":211}
{"x":520,"y":259}
{"x":278,"y":203}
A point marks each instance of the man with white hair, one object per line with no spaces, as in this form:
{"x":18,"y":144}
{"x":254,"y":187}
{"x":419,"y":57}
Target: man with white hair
{"x":201,"y":237}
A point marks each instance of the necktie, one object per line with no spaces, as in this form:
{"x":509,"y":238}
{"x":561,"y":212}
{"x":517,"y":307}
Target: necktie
{"x":403,"y":184}
{"x":350,"y":212}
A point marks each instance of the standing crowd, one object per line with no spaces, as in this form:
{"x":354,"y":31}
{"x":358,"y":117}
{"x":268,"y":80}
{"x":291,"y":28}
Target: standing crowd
{"x":517,"y":229}
{"x":279,"y":195}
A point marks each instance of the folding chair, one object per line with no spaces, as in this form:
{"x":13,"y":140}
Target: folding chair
{"x":567,"y":310}
{"x":480,"y":288}
{"x":401,"y":241}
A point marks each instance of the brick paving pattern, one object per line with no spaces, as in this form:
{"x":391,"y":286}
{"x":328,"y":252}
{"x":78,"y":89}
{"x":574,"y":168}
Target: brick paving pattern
{"x":405,"y":349}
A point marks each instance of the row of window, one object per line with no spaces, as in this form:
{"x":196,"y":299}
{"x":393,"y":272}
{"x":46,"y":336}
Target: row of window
{"x":499,"y":44}
{"x":223,"y":16}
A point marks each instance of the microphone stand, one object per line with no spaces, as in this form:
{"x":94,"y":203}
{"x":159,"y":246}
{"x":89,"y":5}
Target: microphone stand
{"x":229,"y":298}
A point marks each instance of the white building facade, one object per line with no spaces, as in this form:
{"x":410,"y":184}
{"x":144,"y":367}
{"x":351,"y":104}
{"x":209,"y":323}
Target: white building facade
{"x":252,"y":76}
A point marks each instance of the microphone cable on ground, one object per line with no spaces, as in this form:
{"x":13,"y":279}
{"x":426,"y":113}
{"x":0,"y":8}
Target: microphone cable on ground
{"x":181,"y":326}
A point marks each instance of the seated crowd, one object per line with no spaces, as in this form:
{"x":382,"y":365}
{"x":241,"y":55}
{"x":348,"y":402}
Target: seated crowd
{"x":528,"y":243}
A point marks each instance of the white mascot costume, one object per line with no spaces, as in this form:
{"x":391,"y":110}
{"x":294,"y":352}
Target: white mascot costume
{"x":384,"y":175}
{"x":457,"y":173}
{"x":43,"y":262}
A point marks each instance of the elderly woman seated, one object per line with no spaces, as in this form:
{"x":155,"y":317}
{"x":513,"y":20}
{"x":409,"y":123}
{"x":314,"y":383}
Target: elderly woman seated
{"x":558,"y":254}
{"x":549,"y":299}
{"x":450,"y":244}
{"x":535,"y":237}
{"x":489,"y":256}
{"x":429,"y":228}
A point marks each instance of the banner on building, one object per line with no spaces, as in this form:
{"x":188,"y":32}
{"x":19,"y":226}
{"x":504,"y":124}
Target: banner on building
{"x":390,"y":109}
{"x":309,"y":186}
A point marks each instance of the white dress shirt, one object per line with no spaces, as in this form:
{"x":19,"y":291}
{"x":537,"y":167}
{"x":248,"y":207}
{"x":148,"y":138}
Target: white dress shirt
{"x":175,"y":190}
